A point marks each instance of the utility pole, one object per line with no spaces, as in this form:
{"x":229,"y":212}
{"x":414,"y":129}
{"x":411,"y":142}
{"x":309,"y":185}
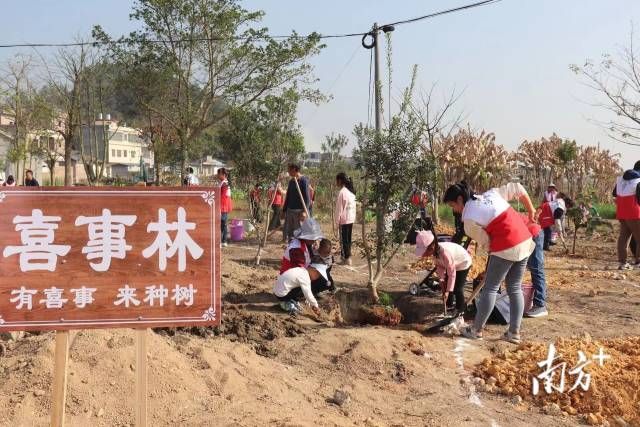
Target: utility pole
{"x":377,"y":82}
{"x":374,"y":33}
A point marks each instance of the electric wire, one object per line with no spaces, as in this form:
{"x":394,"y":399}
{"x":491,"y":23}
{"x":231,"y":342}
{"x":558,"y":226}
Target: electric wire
{"x":96,"y":43}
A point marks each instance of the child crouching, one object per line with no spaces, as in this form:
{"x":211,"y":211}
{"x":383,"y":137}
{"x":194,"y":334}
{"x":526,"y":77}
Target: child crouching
{"x":452,"y":262}
{"x":298,"y":282}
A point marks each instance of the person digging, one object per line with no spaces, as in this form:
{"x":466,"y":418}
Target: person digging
{"x":300,"y":282}
{"x":452,"y":267}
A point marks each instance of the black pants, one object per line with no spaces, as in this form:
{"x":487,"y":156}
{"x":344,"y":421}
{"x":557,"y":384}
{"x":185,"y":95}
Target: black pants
{"x":346,"y":231}
{"x":458,"y":290}
{"x":317,"y":286}
{"x":547,"y":238}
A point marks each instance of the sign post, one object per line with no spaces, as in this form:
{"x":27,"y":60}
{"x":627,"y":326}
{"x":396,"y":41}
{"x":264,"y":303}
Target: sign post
{"x":59,"y":395}
{"x":141,"y":377}
{"x":138,"y":258}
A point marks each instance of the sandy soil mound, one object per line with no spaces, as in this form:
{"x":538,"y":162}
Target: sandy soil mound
{"x":614,"y":391}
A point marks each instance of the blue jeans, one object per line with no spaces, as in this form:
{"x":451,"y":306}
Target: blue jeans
{"x":536,"y":267}
{"x":499,"y":270}
{"x":223,"y":226}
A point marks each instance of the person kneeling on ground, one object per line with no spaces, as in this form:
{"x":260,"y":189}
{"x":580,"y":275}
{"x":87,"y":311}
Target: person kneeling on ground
{"x":298,"y":282}
{"x":452,"y":261}
{"x":298,"y":253}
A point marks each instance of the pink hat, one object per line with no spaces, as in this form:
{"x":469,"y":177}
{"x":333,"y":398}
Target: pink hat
{"x":423,"y":240}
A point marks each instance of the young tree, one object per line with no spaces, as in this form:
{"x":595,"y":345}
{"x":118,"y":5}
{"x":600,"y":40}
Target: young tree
{"x":260,"y":141}
{"x":439,"y":122}
{"x":32,"y":116}
{"x":216,"y":59}
{"x":566,"y":154}
{"x":389,"y":161}
{"x":64,"y":91}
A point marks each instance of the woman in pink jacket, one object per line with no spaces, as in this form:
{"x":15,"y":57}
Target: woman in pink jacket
{"x":452,"y":266}
{"x":345,"y":214}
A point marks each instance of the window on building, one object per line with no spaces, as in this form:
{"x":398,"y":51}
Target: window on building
{"x":125,"y":153}
{"x":113,"y":152}
{"x":119,"y":153}
{"x":133,"y":153}
{"x":118,"y":136}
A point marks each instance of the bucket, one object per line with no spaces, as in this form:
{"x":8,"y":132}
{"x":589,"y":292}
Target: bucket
{"x":501,"y":311}
{"x":237,"y":230}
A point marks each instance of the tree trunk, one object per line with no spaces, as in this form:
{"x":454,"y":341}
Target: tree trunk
{"x":184,"y":160}
{"x":365,"y":242}
{"x":575,"y":235}
{"x":51,"y":175}
{"x":156,"y":169}
{"x":67,"y":162}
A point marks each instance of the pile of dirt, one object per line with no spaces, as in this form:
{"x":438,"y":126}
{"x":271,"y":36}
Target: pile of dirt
{"x":613,"y":391}
{"x":255,"y":328}
{"x":380,"y":315}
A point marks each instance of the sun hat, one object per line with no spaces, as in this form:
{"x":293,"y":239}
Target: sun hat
{"x":424,"y":239}
{"x":309,"y":230}
{"x":322,"y":269}
{"x":551,"y":185}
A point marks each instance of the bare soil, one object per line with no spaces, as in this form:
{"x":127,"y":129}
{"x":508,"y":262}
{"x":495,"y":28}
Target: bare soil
{"x":263,"y":367}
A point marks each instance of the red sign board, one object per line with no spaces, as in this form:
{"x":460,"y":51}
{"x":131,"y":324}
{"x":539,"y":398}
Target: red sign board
{"x":109,"y":258}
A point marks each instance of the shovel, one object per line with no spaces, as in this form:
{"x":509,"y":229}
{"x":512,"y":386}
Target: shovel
{"x":436,"y":326}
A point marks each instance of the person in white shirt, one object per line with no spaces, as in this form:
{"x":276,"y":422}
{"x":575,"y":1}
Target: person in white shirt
{"x":551,"y":194}
{"x":191,"y":179}
{"x":296,"y":283}
{"x":345,"y":215}
{"x":495,"y":225}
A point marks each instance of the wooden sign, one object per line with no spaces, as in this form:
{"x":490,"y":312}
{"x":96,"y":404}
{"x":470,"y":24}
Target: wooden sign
{"x":75,"y":258}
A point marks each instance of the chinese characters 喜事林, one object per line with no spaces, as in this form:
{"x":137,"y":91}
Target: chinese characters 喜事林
{"x":106,"y":240}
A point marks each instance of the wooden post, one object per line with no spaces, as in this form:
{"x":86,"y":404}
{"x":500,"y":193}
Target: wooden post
{"x":141,"y":377}
{"x":59,"y":395}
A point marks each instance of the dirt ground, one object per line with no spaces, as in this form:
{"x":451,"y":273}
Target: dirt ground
{"x":262,"y":367}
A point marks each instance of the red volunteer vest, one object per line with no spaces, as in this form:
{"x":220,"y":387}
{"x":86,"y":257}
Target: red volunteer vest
{"x":503,"y":224}
{"x":546,"y":216}
{"x":225,"y":197}
{"x":626,"y":203}
{"x":286,"y":263}
{"x":277,"y":200}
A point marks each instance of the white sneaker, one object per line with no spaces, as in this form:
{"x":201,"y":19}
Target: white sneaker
{"x":625,"y":266}
{"x":225,"y":244}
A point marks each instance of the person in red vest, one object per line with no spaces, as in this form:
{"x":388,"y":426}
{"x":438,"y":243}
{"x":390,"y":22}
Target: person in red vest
{"x":225,"y":203}
{"x":491,"y":221}
{"x":297,"y":254}
{"x":276,"y":197}
{"x":552,"y":214}
{"x":627,"y":194}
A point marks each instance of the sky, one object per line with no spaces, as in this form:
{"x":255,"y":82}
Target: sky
{"x":510,"y":59}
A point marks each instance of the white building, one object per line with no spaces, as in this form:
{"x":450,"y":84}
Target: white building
{"x":125,"y":149}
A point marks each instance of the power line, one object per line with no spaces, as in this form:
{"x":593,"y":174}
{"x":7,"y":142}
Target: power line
{"x":195,"y":40}
{"x":445,"y":12}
